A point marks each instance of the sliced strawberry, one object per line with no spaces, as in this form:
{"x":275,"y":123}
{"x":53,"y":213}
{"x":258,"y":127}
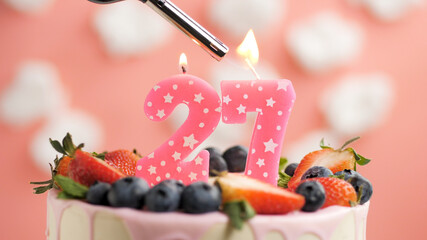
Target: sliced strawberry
{"x":62,"y":168}
{"x":124,"y":160}
{"x":338,"y":191}
{"x":263,"y":197}
{"x":335,"y":160}
{"x":86,"y":169}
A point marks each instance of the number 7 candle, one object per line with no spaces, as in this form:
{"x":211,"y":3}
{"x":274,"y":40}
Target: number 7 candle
{"x":272,"y":100}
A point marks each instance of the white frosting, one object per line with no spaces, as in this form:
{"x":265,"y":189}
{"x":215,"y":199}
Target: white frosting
{"x":97,"y":222}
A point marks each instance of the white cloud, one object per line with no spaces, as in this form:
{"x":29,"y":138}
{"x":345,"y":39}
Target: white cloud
{"x":83,"y":127}
{"x":357,"y":103}
{"x":388,"y":10}
{"x":29,"y":6}
{"x":236,"y":17}
{"x":324,"y":41}
{"x":35,"y":92}
{"x":129,"y":28}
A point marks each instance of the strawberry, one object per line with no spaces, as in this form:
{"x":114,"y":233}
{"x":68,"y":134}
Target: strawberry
{"x":86,"y":169}
{"x":124,"y":160}
{"x":336,"y":160}
{"x":338,"y":191}
{"x":62,"y":168}
{"x":67,"y":149}
{"x":263,"y":197}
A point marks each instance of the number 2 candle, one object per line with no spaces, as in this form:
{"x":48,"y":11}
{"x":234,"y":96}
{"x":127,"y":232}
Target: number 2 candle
{"x":167,"y":161}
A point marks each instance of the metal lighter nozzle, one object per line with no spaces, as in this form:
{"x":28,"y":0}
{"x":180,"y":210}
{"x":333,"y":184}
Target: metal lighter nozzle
{"x":191,"y":28}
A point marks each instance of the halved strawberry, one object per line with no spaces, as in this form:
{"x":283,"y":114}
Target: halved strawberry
{"x":263,"y":197}
{"x":338,"y":191}
{"x":124,"y":160}
{"x":86,"y":169}
{"x":67,"y":149}
{"x":336,"y":160}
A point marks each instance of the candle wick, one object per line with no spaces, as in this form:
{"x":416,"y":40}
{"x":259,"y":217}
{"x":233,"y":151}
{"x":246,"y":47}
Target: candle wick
{"x":252,"y":68}
{"x":184,"y":69}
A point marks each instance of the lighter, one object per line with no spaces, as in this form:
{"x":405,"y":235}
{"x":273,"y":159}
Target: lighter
{"x":183,"y":22}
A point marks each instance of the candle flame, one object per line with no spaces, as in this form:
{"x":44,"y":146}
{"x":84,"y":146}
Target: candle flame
{"x":248,"y":49}
{"x":183,"y":62}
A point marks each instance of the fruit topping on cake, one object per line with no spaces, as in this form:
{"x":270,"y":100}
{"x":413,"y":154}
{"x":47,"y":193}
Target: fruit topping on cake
{"x":334,"y":159}
{"x":123,"y":159}
{"x":201,"y":197}
{"x":165,"y":196}
{"x":314,"y":195}
{"x":231,"y":160}
{"x":263,"y":197}
{"x":338,"y":191}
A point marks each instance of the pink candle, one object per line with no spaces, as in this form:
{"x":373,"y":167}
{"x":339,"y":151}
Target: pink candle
{"x":273,"y":101}
{"x":167,"y":161}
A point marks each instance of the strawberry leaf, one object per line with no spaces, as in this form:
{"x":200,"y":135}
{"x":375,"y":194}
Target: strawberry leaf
{"x":57,"y":146}
{"x":361,"y":160}
{"x":238,"y":212}
{"x":348,"y":142}
{"x":283,"y":180}
{"x":70,"y":187}
{"x":282,"y":163}
{"x":322,"y":144}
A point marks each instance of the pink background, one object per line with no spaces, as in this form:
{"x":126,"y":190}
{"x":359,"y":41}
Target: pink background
{"x":114,"y":92}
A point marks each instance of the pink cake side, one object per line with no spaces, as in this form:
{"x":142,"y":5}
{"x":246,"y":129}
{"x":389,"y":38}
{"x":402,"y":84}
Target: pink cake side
{"x":155,"y":226}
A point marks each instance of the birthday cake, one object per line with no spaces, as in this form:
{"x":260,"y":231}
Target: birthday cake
{"x":96,"y":196}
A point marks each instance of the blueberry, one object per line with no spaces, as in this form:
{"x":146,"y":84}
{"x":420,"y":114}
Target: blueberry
{"x":200,"y":197}
{"x":217,"y":164}
{"x":362,"y":186}
{"x":290,"y":169}
{"x":164,"y":197}
{"x":235,"y":157}
{"x":347,"y":173}
{"x":128,"y":192}
{"x":213,"y":151}
{"x":97,"y":193}
{"x":317,"y":171}
{"x":314,"y":195}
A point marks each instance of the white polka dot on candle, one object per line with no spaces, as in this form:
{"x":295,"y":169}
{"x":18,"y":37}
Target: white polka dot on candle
{"x":139,"y":167}
{"x":205,"y":110}
{"x":168,"y":175}
{"x":245,"y":96}
{"x":171,"y":143}
{"x":259,"y":88}
{"x":265,"y":174}
{"x":178,"y":169}
{"x":249,"y":172}
{"x":237,"y":85}
{"x":191,"y":82}
{"x":158,"y":179}
{"x":175,"y":87}
{"x":151,"y":117}
{"x":149,"y":104}
{"x":204,"y":173}
{"x":279,"y":113}
{"x":162,"y":163}
{"x":253,"y":150}
{"x":258,"y":127}
{"x":278,"y":128}
{"x":201,"y":125}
